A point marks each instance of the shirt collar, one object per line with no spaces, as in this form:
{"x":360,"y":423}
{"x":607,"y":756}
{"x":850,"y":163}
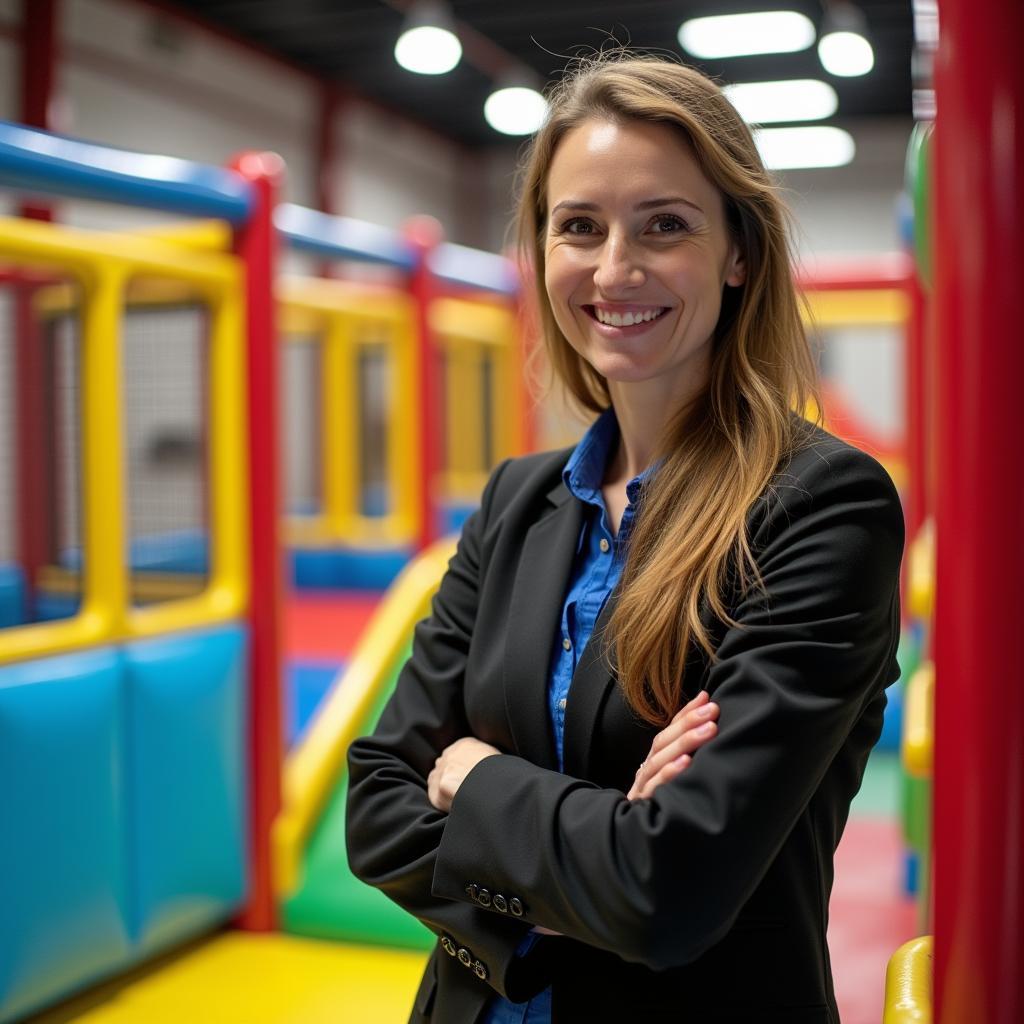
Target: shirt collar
{"x":585,"y":469}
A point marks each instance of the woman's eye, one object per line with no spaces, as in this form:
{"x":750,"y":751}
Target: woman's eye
{"x":577,"y":226}
{"x":667,"y":223}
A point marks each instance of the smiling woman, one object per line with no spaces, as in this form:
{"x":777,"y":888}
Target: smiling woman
{"x":616,"y":767}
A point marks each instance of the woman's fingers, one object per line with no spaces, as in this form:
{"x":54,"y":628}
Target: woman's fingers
{"x":689,"y":719}
{"x":666,"y":774}
{"x":673,"y":748}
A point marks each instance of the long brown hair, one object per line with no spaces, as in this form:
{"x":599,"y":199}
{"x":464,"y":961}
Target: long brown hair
{"x":689,"y":542}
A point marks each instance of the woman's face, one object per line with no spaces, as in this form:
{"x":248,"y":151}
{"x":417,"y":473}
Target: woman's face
{"x":637,"y":254}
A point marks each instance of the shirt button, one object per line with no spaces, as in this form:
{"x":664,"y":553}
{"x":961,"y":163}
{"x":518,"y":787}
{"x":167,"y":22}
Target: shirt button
{"x":566,"y":644}
{"x":561,"y":704}
{"x":604,"y":545}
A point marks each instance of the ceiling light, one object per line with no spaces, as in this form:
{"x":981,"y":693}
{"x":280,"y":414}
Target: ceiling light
{"x":428,"y":44}
{"x":515,"y":110}
{"x":736,"y":35}
{"x":785,"y":148}
{"x":843,"y":48}
{"x":798,"y":99}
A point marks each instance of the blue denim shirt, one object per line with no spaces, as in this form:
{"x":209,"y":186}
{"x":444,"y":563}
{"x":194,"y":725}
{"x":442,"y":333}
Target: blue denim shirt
{"x":596,"y":569}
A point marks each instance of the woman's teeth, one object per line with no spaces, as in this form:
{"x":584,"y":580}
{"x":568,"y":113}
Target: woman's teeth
{"x":626,"y":319}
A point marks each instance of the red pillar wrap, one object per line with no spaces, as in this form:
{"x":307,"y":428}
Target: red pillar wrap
{"x":256,"y":244}
{"x":979,"y":725}
{"x":425,"y":234}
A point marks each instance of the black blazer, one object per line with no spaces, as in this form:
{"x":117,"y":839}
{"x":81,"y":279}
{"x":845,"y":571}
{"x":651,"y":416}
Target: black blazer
{"x":708,"y":902}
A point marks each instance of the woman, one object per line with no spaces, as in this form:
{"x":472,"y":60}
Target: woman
{"x":709,"y":544}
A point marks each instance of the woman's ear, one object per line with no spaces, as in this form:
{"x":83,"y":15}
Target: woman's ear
{"x":736,"y":272}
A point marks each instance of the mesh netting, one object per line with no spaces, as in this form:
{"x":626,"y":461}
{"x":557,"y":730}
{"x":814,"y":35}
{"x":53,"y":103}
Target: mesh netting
{"x":301,"y":422}
{"x":166,"y":438}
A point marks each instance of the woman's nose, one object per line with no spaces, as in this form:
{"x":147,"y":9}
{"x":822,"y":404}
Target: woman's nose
{"x":618,"y":266}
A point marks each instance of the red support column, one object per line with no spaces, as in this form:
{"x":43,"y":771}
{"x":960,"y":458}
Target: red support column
{"x":38,"y":75}
{"x":425,"y":234}
{"x":256,"y":244}
{"x":979,"y":724}
{"x":33,"y":448}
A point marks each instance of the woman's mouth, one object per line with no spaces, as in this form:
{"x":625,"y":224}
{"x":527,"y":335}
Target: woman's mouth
{"x":624,"y":317}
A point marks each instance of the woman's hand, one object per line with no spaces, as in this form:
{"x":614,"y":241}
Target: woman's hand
{"x":454,"y":764}
{"x":673,"y":747}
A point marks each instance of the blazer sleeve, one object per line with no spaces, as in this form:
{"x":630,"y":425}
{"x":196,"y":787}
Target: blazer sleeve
{"x":392,"y":831}
{"x":660,"y":881}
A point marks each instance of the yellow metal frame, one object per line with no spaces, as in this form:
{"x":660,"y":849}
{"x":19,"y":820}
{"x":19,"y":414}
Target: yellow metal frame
{"x":908,"y":984}
{"x":918,"y":722}
{"x":104,"y":265}
{"x":869,"y":307}
{"x":339,"y":316}
{"x":312,"y":769}
{"x":468,"y":332}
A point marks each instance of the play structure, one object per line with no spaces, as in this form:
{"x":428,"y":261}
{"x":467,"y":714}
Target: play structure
{"x":228,"y":496}
{"x":141,"y":688}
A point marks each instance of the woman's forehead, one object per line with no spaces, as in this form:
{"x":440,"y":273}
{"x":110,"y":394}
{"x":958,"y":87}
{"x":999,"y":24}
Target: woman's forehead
{"x":608,"y":162}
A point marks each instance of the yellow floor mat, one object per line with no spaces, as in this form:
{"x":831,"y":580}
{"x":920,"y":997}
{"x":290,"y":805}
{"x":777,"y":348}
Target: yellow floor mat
{"x":244,"y":978}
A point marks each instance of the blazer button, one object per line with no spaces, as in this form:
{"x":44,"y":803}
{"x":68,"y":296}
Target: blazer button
{"x":500,"y":903}
{"x":483,"y":898}
{"x":448,"y":946}
{"x":465,"y":957}
{"x":480,"y":970}
{"x":515,"y":906}
{"x":471,"y":891}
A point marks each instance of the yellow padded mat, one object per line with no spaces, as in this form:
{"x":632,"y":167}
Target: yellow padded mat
{"x":244,"y":978}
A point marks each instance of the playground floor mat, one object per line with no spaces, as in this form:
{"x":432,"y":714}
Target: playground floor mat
{"x":246,"y":978}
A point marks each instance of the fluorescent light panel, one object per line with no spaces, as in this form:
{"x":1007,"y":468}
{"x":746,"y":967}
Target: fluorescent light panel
{"x":790,"y":148}
{"x":515,"y":111}
{"x":737,"y":35}
{"x":798,"y":99}
{"x":428,"y":50}
{"x":846,"y":54}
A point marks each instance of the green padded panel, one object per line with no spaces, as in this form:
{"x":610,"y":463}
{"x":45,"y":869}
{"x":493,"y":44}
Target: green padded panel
{"x":331,"y":902}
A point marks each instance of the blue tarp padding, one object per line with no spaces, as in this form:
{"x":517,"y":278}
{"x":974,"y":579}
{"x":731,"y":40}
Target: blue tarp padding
{"x":348,"y":568}
{"x":342,"y":238}
{"x":451,"y":517}
{"x":40,"y":162}
{"x":122,"y":796}
{"x":177,"y":551}
{"x":474,"y":268}
{"x":12,"y":596}
{"x":307,"y":685}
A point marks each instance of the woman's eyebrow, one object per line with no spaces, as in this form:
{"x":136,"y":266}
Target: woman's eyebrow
{"x":647,"y":204}
{"x":650,"y":204}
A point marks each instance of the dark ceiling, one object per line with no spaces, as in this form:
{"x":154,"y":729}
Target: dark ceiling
{"x":351,"y":42}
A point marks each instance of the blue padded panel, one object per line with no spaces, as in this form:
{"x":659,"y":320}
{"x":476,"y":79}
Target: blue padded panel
{"x":186,"y":781}
{"x":451,"y":517}
{"x":175,"y":551}
{"x":62,"y":830}
{"x":349,"y":568}
{"x":308,"y":682}
{"x":55,"y":606}
{"x":12,"y":595}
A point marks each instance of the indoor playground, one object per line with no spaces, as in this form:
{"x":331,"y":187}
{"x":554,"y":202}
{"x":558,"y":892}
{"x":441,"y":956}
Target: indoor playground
{"x":238,"y":438}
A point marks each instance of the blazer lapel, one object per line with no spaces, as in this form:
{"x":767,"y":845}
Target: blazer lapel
{"x":534,"y":616}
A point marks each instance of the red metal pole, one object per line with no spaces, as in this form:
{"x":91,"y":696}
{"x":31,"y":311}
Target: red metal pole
{"x":979,"y":724}
{"x":38,"y":75}
{"x":425,"y":234}
{"x":33,"y":415}
{"x":256,"y":243}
